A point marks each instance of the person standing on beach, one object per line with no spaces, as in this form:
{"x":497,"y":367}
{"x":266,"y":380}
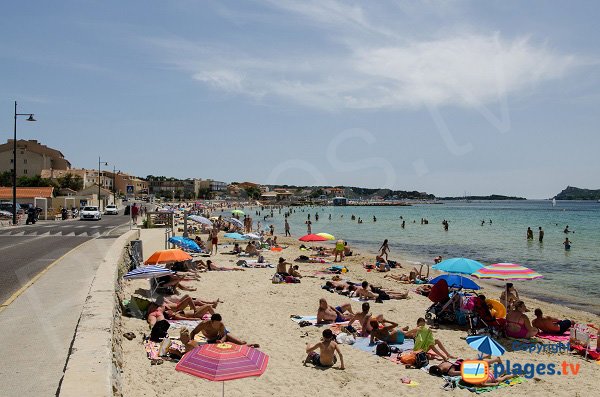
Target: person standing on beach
{"x":287,"y":229}
{"x":214,"y":239}
{"x":529,"y":234}
{"x":384,"y":249}
{"x":541,"y":235}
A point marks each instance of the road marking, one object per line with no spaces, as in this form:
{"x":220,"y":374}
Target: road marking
{"x":17,"y":293}
{"x":79,"y":227}
{"x":20,"y":243}
{"x":69,"y":234}
{"x":95,"y":227}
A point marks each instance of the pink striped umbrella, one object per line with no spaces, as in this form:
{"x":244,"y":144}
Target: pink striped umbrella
{"x":223,"y":361}
{"x":506,"y":271}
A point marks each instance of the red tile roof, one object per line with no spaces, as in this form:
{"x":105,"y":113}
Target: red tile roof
{"x":26,"y":192}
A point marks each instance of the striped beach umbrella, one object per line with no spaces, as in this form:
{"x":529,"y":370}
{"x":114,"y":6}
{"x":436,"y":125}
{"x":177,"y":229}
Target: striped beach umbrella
{"x":485,"y":345}
{"x":236,"y":222}
{"x":223,"y":361}
{"x":147,"y":272}
{"x":506,"y":272}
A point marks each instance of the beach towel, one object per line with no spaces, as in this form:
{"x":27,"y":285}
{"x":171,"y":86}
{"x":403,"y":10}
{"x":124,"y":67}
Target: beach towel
{"x":483,"y":389}
{"x":365,"y":345}
{"x":554,"y":338}
{"x":191,"y":324}
{"x":591,"y":353}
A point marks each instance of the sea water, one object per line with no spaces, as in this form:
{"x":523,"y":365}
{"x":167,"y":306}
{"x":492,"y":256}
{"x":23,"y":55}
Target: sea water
{"x":570,"y":277}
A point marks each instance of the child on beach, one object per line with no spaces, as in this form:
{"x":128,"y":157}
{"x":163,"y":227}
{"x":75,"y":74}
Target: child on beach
{"x":326,"y":357}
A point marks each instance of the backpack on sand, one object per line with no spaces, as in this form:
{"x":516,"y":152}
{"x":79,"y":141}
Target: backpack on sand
{"x":383,"y":350}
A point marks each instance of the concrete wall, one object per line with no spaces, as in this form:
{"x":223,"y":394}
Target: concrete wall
{"x":94,"y":365}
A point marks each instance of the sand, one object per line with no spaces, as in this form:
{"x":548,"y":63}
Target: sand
{"x":258,"y":311}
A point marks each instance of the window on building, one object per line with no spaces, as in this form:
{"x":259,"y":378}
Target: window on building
{"x":24,"y":161}
{"x":25,"y":171}
{"x":11,"y":161}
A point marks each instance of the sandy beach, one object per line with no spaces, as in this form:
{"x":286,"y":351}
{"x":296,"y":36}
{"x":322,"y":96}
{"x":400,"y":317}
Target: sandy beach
{"x":258,"y":311}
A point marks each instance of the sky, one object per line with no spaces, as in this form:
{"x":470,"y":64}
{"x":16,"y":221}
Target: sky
{"x":448,"y":97}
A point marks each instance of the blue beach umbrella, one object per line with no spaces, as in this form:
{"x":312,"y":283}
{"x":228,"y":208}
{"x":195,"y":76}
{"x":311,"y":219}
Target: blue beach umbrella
{"x":147,"y":272}
{"x":485,"y":345}
{"x":456,"y":281}
{"x":235,"y":236}
{"x":458,"y":265}
{"x":185,"y":243}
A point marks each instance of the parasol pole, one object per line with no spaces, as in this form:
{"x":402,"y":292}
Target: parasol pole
{"x":223,"y":394}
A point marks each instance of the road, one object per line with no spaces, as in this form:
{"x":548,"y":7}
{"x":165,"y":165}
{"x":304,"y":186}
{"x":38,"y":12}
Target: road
{"x":27,"y":250}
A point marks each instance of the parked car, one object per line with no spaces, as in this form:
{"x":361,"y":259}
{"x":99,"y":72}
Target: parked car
{"x":8,"y":206}
{"x":90,"y":212}
{"x":111,"y":209}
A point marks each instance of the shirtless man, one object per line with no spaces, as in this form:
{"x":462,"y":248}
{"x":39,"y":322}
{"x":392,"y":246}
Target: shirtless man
{"x":362,"y":291}
{"x":414,"y":277}
{"x":210,"y":266}
{"x":251,"y":249}
{"x":215,"y":332}
{"x":281,"y":269}
{"x":389,"y":333}
{"x":364,"y":319}
{"x":550,"y":325}
{"x":327,"y":349}
{"x":328,"y":314}
{"x":293,"y":270}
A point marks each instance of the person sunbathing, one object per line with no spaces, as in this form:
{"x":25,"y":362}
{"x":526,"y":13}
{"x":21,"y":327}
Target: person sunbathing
{"x":184,"y":337}
{"x":364,"y":317}
{"x":549,"y":324}
{"x":210,"y":266}
{"x":518,"y":324}
{"x":389,"y":333}
{"x":162,"y":312}
{"x":281,"y":269}
{"x":453,"y":369}
{"x":424,"y":340}
{"x":387,"y":294}
{"x":174,"y":282}
{"x":196,"y":301}
{"x":381,"y":264}
{"x":215,"y":332}
{"x":328,"y":314}
{"x":251,"y":249}
{"x":294,"y":271}
{"x":326,"y":357}
{"x":362,"y":291}
{"x":414,"y":276}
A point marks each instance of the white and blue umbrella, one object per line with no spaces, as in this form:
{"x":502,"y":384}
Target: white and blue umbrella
{"x":485,"y":345}
{"x":458,"y":265}
{"x":203,"y":220}
{"x":252,"y":236}
{"x":147,"y":272}
{"x":236,"y":222}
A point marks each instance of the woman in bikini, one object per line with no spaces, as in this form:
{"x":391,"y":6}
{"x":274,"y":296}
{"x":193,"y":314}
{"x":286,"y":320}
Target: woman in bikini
{"x":329,"y":314}
{"x":518,"y":324}
{"x":389,"y":333}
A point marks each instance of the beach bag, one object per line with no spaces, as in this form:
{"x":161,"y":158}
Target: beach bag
{"x":461,"y":319}
{"x":159,"y":331}
{"x":408,"y":357}
{"x":421,"y":360}
{"x":383,"y":350}
{"x":277,"y":279}
{"x":261,"y":259}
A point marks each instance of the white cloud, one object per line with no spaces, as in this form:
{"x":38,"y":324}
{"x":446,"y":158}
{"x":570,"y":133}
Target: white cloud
{"x":368,"y":67}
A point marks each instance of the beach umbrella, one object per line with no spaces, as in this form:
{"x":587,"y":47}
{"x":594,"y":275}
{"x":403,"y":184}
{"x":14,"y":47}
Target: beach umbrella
{"x":168,"y":256}
{"x":456,"y":281}
{"x":458,"y":265}
{"x":312,"y":237}
{"x":223,"y":361}
{"x":238,"y":212}
{"x":252,"y":236}
{"x":506,"y":272}
{"x":200,"y":219}
{"x":485,"y":345}
{"x":326,"y":235}
{"x":147,"y":272}
{"x":235,"y":236}
{"x":185,"y":243}
{"x":236,"y":222}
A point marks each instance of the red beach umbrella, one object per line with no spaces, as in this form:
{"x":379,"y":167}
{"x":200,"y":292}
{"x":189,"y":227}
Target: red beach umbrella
{"x":312,"y":237}
{"x":223,"y":361}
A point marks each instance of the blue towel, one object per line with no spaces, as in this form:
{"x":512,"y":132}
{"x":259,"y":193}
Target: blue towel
{"x":364,"y":345}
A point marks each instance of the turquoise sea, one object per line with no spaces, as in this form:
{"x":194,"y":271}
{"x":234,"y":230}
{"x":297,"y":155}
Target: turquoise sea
{"x":570,"y":277}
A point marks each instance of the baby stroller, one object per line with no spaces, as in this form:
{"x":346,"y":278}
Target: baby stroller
{"x":482,"y":322}
{"x":443,"y":309}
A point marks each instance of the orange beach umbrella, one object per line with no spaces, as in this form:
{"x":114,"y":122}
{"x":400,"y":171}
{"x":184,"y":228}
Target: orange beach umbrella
{"x":168,"y":256}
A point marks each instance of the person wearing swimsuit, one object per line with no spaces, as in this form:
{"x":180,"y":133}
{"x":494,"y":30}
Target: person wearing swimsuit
{"x":518,"y":324}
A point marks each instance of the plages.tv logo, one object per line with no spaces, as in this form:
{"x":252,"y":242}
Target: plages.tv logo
{"x":474,"y":371}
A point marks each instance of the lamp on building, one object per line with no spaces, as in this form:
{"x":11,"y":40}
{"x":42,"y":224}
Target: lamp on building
{"x":14,"y":176}
{"x":99,"y":163}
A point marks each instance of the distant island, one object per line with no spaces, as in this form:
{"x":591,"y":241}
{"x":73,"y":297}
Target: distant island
{"x":575,"y":193}
{"x":483,"y":198}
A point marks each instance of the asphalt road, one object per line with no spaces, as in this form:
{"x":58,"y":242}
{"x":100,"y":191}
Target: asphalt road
{"x":27,"y":250}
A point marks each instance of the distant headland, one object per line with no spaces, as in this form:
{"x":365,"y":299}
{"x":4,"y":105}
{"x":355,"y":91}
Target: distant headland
{"x":575,"y":193}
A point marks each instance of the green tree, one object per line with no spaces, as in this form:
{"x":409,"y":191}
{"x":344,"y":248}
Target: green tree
{"x":70,"y":181}
{"x":34,"y":181}
{"x":204,"y":193}
{"x":6,"y":178}
{"x":188,"y":195}
{"x":253,"y":192}
{"x":167,"y":194}
{"x":317,"y":193}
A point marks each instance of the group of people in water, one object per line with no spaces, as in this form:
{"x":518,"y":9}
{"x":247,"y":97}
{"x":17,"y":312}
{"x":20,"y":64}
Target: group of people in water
{"x":566,"y":243}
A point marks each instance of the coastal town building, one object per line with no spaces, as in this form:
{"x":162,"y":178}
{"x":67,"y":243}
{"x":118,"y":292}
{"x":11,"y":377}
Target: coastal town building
{"x":32,"y":158}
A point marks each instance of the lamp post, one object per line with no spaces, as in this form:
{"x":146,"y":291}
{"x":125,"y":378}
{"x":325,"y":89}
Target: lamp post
{"x":99,"y":163}
{"x":115,"y":185}
{"x":14,"y":176}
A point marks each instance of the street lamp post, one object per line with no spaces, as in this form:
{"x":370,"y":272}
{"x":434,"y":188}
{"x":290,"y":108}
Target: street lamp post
{"x":105,"y":163}
{"x":14,"y":176}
